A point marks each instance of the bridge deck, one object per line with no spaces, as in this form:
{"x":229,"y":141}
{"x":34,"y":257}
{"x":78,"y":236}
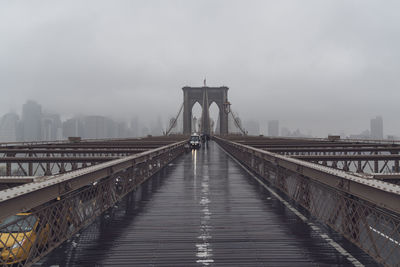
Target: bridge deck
{"x":202,"y":210}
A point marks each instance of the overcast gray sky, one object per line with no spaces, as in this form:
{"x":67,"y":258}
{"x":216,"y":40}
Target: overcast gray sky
{"x":328,"y":66}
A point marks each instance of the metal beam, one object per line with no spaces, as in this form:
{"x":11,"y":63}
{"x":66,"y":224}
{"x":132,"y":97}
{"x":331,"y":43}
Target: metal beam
{"x":69,"y":150}
{"x":28,"y":196}
{"x":346,"y":157}
{"x":361,"y":208}
{"x":67,"y":159}
{"x":386,"y":176}
{"x":382,"y":194}
{"x":299,"y":149}
{"x":17,"y":179}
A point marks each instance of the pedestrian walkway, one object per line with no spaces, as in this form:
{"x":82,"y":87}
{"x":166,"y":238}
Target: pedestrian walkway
{"x":202,"y":210}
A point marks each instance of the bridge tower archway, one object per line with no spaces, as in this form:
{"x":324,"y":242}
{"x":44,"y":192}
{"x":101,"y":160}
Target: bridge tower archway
{"x":205,"y":96}
{"x":214,"y":117}
{"x":197,"y":111}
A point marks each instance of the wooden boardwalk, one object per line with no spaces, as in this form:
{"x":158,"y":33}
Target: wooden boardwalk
{"x":202,"y":210}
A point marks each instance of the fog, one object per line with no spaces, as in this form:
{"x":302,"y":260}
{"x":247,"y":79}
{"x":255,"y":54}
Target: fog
{"x":320,"y":66}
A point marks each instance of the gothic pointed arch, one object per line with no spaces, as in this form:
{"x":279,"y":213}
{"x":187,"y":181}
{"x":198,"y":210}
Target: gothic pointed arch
{"x":205,"y":96}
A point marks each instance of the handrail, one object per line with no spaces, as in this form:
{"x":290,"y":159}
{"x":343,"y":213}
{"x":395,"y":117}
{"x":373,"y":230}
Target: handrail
{"x":30,"y":195}
{"x":383,"y":194}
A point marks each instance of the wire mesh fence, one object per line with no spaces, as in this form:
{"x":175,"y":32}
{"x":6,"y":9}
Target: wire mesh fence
{"x":373,"y":229}
{"x":27,"y":237}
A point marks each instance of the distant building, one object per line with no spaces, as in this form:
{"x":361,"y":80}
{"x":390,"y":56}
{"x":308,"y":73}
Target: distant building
{"x":273,"y":128}
{"x":377,"y":128}
{"x":156,"y":127}
{"x":285,"y":132}
{"x":72,"y":127}
{"x":111,"y":128}
{"x":123,"y":131}
{"x":31,"y":121}
{"x":94,"y":127}
{"x":9,"y":127}
{"x":51,"y":127}
{"x":194,"y":125}
{"x":298,"y":133}
{"x":363,"y":135}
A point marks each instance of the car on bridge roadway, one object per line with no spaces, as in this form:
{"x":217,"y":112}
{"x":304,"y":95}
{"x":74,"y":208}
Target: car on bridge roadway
{"x":18,"y":235}
{"x":195,"y":141}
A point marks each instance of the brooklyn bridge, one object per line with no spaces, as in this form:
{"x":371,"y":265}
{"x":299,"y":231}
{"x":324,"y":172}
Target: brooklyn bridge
{"x":238,"y":200}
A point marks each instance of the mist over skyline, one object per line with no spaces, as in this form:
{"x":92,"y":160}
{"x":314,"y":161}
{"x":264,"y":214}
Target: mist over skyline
{"x":324,"y":66}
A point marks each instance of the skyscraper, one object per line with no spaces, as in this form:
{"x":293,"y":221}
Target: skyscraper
{"x":273,"y":128}
{"x":31,"y":121}
{"x":194,"y":124}
{"x":122,"y":130}
{"x":94,"y":127}
{"x":73,"y":127}
{"x":377,"y":128}
{"x":8,"y":127}
{"x":51,"y":127}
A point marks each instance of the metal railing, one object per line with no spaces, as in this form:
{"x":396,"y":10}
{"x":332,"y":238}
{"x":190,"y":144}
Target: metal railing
{"x":365,"y":211}
{"x":37,"y":217}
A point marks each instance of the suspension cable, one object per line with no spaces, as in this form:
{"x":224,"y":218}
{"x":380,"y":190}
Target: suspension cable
{"x":237,"y":123}
{"x":174,"y":123}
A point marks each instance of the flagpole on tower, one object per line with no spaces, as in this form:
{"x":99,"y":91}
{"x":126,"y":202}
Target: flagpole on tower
{"x":205,"y":84}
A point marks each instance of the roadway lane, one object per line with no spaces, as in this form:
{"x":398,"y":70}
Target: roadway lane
{"x":202,"y":210}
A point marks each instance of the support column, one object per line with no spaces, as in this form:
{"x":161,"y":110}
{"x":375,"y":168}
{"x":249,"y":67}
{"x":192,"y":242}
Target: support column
{"x":187,"y":113}
{"x":223,"y":122}
{"x":223,"y":126}
{"x":205,"y":117}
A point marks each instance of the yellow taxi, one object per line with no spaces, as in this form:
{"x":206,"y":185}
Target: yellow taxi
{"x":18,"y":234}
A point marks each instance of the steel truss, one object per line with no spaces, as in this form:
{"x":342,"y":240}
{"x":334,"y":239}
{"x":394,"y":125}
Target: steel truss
{"x":44,"y":158}
{"x":367,"y":157}
{"x":365,"y":211}
{"x":59,"y":206}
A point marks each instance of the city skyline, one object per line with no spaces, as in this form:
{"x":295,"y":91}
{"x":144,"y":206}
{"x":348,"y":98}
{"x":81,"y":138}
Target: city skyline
{"x":42,"y":125}
{"x":35,"y":125}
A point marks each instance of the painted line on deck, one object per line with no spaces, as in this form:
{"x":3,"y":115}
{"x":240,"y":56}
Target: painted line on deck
{"x":204,"y":248}
{"x":385,"y":236}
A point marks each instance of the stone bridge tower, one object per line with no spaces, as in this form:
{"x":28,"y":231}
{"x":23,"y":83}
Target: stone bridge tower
{"x":205,"y":96}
